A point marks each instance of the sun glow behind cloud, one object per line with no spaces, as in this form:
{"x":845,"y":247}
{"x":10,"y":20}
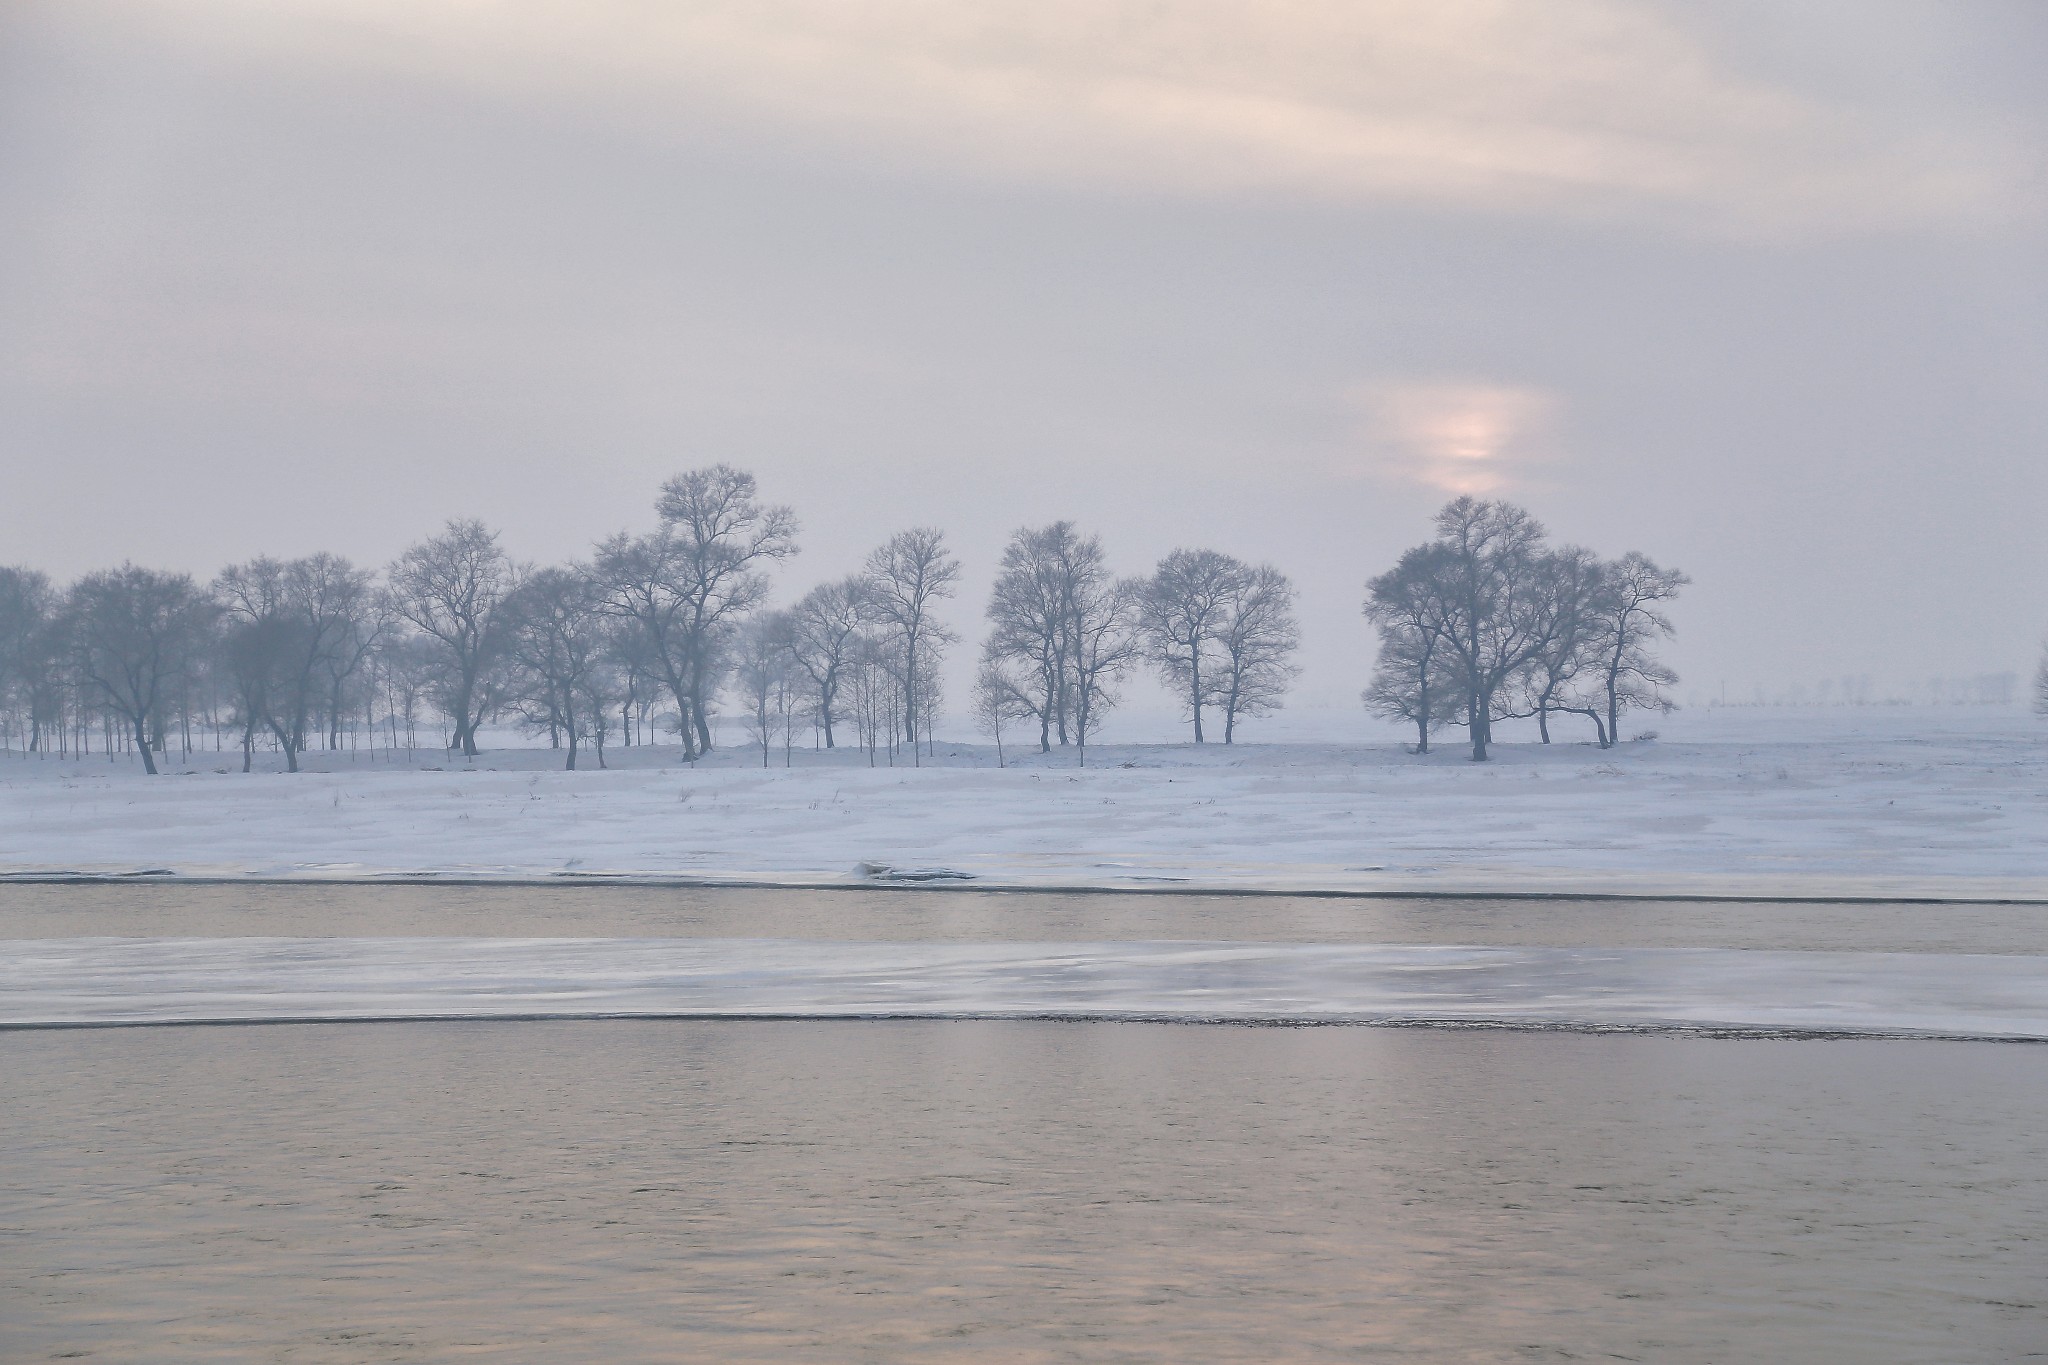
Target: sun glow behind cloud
{"x":1458,"y":438}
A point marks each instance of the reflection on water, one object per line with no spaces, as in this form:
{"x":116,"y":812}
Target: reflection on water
{"x":1015,"y":1191}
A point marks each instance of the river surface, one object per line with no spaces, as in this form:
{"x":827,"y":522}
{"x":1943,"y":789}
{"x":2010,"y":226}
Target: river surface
{"x":1007,"y":1189}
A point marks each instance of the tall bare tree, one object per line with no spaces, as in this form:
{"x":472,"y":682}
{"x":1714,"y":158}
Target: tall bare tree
{"x":28,"y":652}
{"x":1064,"y":626}
{"x":557,"y":638}
{"x":1569,"y":585}
{"x":764,"y":674}
{"x":1181,"y":611}
{"x":906,"y":577}
{"x":874,"y":691}
{"x":1027,"y":613}
{"x":299,"y":629}
{"x":649,"y":587}
{"x":134,"y":633}
{"x":998,"y":699}
{"x":824,"y":629}
{"x":1413,"y":678}
{"x":1258,"y":638}
{"x":1631,"y":621}
{"x":453,"y":587}
{"x":1103,"y":624}
{"x":1493,"y":622}
{"x":724,"y":536}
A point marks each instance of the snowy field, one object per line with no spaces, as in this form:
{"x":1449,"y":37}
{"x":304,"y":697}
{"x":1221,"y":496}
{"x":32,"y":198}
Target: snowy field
{"x":1897,"y":801}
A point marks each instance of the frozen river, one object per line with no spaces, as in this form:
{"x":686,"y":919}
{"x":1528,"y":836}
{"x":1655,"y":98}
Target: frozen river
{"x":1040,"y":1181}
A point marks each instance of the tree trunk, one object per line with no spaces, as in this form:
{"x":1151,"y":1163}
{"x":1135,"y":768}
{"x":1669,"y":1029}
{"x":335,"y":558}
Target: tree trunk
{"x":1481,"y":725}
{"x":285,"y":742}
{"x":1543,"y":721}
{"x":910,"y":695}
{"x":1195,"y":694}
{"x":142,"y":743}
{"x":685,"y":711}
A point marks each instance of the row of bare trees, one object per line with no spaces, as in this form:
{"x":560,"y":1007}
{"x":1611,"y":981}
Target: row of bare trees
{"x":292,"y":653}
{"x":1064,"y":632}
{"x":289,"y":655}
{"x":1484,"y":622}
{"x":1487,"y":622}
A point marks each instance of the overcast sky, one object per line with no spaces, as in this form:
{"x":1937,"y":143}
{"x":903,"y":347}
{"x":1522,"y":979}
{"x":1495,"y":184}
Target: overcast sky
{"x":1759,"y":289}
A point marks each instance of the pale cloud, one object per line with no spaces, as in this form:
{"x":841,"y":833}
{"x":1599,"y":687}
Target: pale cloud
{"x":1457,"y":437}
{"x":1579,"y":108}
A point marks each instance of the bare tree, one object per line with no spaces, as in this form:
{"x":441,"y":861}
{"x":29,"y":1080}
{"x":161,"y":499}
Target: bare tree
{"x":1412,"y":679}
{"x":906,"y":576}
{"x":28,"y":652}
{"x":255,"y":655}
{"x":998,"y":698}
{"x":723,"y":535}
{"x":354,"y":617}
{"x":1492,"y":625}
{"x":1054,"y":610}
{"x":1406,"y":683}
{"x":1631,"y":621}
{"x":1027,"y":615}
{"x":1258,"y":637}
{"x":557,"y":638}
{"x":1181,"y":610}
{"x":874,"y":691}
{"x":404,"y":666}
{"x":453,"y":587}
{"x":134,"y":633}
{"x":1104,"y":628}
{"x":763,"y":674}
{"x":298,"y":630}
{"x":1568,"y":589}
{"x":603,"y":688}
{"x":824,"y":628}
{"x":648,"y":584}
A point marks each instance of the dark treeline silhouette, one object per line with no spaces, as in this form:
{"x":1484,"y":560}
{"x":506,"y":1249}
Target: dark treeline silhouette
{"x":1488,"y":622}
{"x":655,"y":628}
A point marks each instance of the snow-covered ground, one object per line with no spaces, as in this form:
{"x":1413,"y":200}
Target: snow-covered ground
{"x":1835,"y":802}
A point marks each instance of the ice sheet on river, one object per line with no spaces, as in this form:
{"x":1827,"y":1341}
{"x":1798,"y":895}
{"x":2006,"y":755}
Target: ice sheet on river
{"x":244,"y":980}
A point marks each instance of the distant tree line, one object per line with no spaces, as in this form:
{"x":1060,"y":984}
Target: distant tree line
{"x":1484,"y":622}
{"x":654,"y":629}
{"x":1487,"y":621}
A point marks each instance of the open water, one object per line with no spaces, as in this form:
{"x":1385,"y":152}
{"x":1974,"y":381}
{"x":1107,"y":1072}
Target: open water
{"x":1594,"y":1181}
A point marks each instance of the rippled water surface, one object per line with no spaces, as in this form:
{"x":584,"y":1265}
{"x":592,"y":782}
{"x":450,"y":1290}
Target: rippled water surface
{"x":1010,"y":1190}
{"x":648,"y":1191}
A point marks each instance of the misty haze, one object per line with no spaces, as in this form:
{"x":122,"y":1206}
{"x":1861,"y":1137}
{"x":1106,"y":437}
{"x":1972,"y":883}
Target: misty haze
{"x":954,"y":682}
